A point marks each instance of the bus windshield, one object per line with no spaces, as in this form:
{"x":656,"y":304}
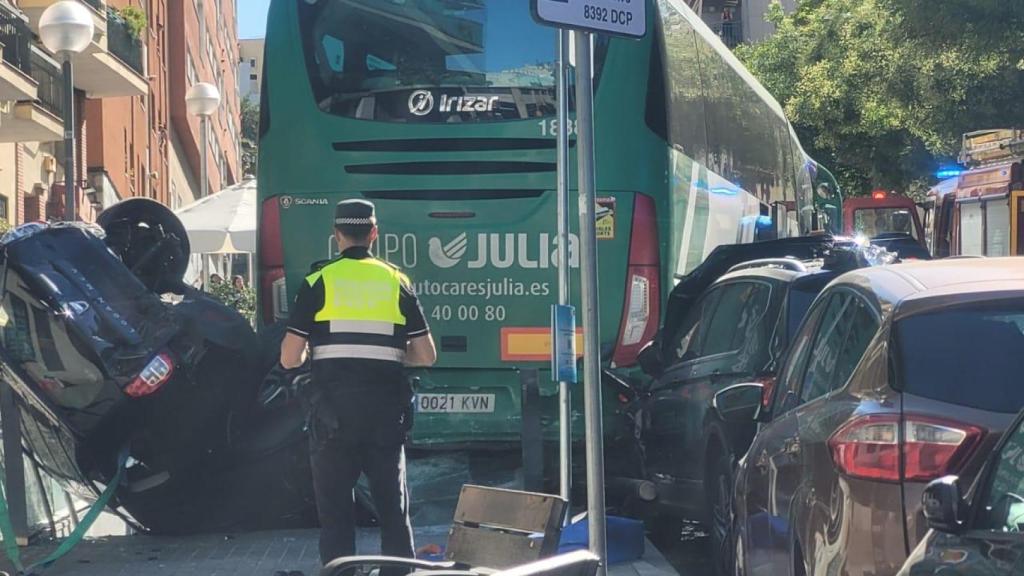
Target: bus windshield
{"x":436,"y":61}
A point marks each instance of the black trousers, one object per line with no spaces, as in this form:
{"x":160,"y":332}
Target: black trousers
{"x":338,"y":458}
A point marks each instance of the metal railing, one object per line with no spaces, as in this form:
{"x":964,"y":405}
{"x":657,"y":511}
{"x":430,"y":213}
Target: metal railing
{"x":16,"y":37}
{"x":99,"y":5}
{"x":123,"y":44}
{"x":50,"y":94}
{"x":731,"y":33}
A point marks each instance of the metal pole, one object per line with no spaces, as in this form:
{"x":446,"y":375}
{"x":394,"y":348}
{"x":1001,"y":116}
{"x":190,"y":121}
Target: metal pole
{"x":564,"y":271}
{"x":591,"y":324}
{"x":204,"y":185}
{"x":69,"y":140}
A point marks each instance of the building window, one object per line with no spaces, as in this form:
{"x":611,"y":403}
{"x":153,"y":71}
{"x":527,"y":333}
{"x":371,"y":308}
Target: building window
{"x":3,"y":207}
{"x":193,"y":76}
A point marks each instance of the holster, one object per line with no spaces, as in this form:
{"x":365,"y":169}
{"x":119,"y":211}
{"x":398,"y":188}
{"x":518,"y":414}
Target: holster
{"x":320,"y":414}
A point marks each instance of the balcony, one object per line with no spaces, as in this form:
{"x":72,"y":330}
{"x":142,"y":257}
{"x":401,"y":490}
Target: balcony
{"x":15,"y":68}
{"x":123,"y":44}
{"x":113,"y":64}
{"x":38,"y":119}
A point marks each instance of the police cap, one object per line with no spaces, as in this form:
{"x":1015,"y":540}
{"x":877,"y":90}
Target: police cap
{"x":355,"y":213}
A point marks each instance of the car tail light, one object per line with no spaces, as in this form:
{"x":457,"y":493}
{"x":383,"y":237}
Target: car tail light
{"x":272,"y":293}
{"x":933,"y":448}
{"x":876,"y":448}
{"x":640,"y":313}
{"x":152,"y":377}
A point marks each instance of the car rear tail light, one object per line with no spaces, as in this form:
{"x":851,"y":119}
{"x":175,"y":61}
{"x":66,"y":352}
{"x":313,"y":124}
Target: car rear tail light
{"x":934,"y":448}
{"x":641,"y":309}
{"x":272,"y":293}
{"x":152,"y":377}
{"x":877,"y":448}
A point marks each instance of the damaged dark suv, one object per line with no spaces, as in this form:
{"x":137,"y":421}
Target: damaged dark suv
{"x":115,"y":361}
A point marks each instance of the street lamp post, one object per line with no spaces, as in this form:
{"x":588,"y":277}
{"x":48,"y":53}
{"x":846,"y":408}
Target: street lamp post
{"x":202,"y":100}
{"x":66,"y":28}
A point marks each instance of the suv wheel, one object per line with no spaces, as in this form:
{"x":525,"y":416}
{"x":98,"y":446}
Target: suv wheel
{"x":718,"y":487}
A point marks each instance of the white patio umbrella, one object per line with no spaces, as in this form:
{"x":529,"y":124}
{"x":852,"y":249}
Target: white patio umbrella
{"x":223,"y":223}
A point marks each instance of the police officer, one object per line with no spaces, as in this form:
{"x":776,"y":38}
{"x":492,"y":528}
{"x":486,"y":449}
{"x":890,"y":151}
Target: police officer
{"x":363,"y":325}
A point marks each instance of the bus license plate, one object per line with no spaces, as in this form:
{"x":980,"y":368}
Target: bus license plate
{"x":465,"y":403}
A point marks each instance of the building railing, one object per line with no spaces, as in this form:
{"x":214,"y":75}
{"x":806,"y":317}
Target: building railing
{"x":50,"y":94}
{"x":16,"y":37}
{"x":731,"y":33}
{"x":99,"y":5}
{"x":123,"y":44}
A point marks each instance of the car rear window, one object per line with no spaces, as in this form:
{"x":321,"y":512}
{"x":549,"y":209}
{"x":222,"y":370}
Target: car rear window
{"x":971,"y":357}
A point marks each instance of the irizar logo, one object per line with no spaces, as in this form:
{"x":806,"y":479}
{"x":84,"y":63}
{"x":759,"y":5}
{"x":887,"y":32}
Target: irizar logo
{"x":421,"y":102}
{"x":527,"y":251}
{"x":450,"y":254}
{"x":468,"y":103}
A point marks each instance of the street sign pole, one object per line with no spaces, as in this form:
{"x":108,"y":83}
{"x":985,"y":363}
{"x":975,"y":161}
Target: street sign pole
{"x":623,"y":18}
{"x":588,"y":276}
{"x":564,"y":390}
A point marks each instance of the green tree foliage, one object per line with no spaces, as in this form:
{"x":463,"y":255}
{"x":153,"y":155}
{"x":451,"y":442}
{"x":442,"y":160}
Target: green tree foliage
{"x":136,"y":20}
{"x":883,"y":89}
{"x":250,"y":135}
{"x":241,"y":299}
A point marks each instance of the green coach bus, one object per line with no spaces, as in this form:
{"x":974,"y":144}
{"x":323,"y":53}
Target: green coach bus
{"x":443,"y":113}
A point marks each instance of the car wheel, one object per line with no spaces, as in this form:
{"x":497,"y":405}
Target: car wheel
{"x":718,"y":488}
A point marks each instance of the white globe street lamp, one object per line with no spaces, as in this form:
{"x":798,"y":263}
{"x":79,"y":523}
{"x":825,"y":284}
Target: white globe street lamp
{"x":202,"y":100}
{"x":66,"y":28}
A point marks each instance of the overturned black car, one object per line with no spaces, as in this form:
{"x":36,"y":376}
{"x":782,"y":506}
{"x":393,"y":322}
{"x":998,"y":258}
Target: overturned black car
{"x":110,"y":353}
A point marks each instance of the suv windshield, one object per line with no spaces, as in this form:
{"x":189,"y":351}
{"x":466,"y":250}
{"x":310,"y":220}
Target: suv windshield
{"x":944,"y":355}
{"x":429,"y":60}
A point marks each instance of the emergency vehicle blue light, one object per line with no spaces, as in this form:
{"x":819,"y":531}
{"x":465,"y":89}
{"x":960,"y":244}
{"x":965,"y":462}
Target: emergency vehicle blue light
{"x":948,"y":173}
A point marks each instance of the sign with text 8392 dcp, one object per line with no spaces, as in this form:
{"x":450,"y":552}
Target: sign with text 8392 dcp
{"x":622,"y":17}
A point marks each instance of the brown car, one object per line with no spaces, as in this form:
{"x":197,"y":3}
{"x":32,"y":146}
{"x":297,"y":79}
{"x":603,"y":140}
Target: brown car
{"x":898,"y":375}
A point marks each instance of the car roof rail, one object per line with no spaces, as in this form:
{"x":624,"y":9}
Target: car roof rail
{"x":791,"y":264}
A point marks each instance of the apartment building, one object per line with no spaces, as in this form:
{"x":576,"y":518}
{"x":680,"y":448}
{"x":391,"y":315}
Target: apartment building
{"x":129,"y":105}
{"x":206,"y":51}
{"x":250,"y":68}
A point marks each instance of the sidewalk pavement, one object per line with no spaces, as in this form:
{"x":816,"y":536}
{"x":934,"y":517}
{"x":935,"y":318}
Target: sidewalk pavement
{"x":242,"y":554}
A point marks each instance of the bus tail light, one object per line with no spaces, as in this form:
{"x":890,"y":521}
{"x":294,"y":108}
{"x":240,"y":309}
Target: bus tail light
{"x":272,"y":294}
{"x":875,"y":448}
{"x":640,"y":315}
